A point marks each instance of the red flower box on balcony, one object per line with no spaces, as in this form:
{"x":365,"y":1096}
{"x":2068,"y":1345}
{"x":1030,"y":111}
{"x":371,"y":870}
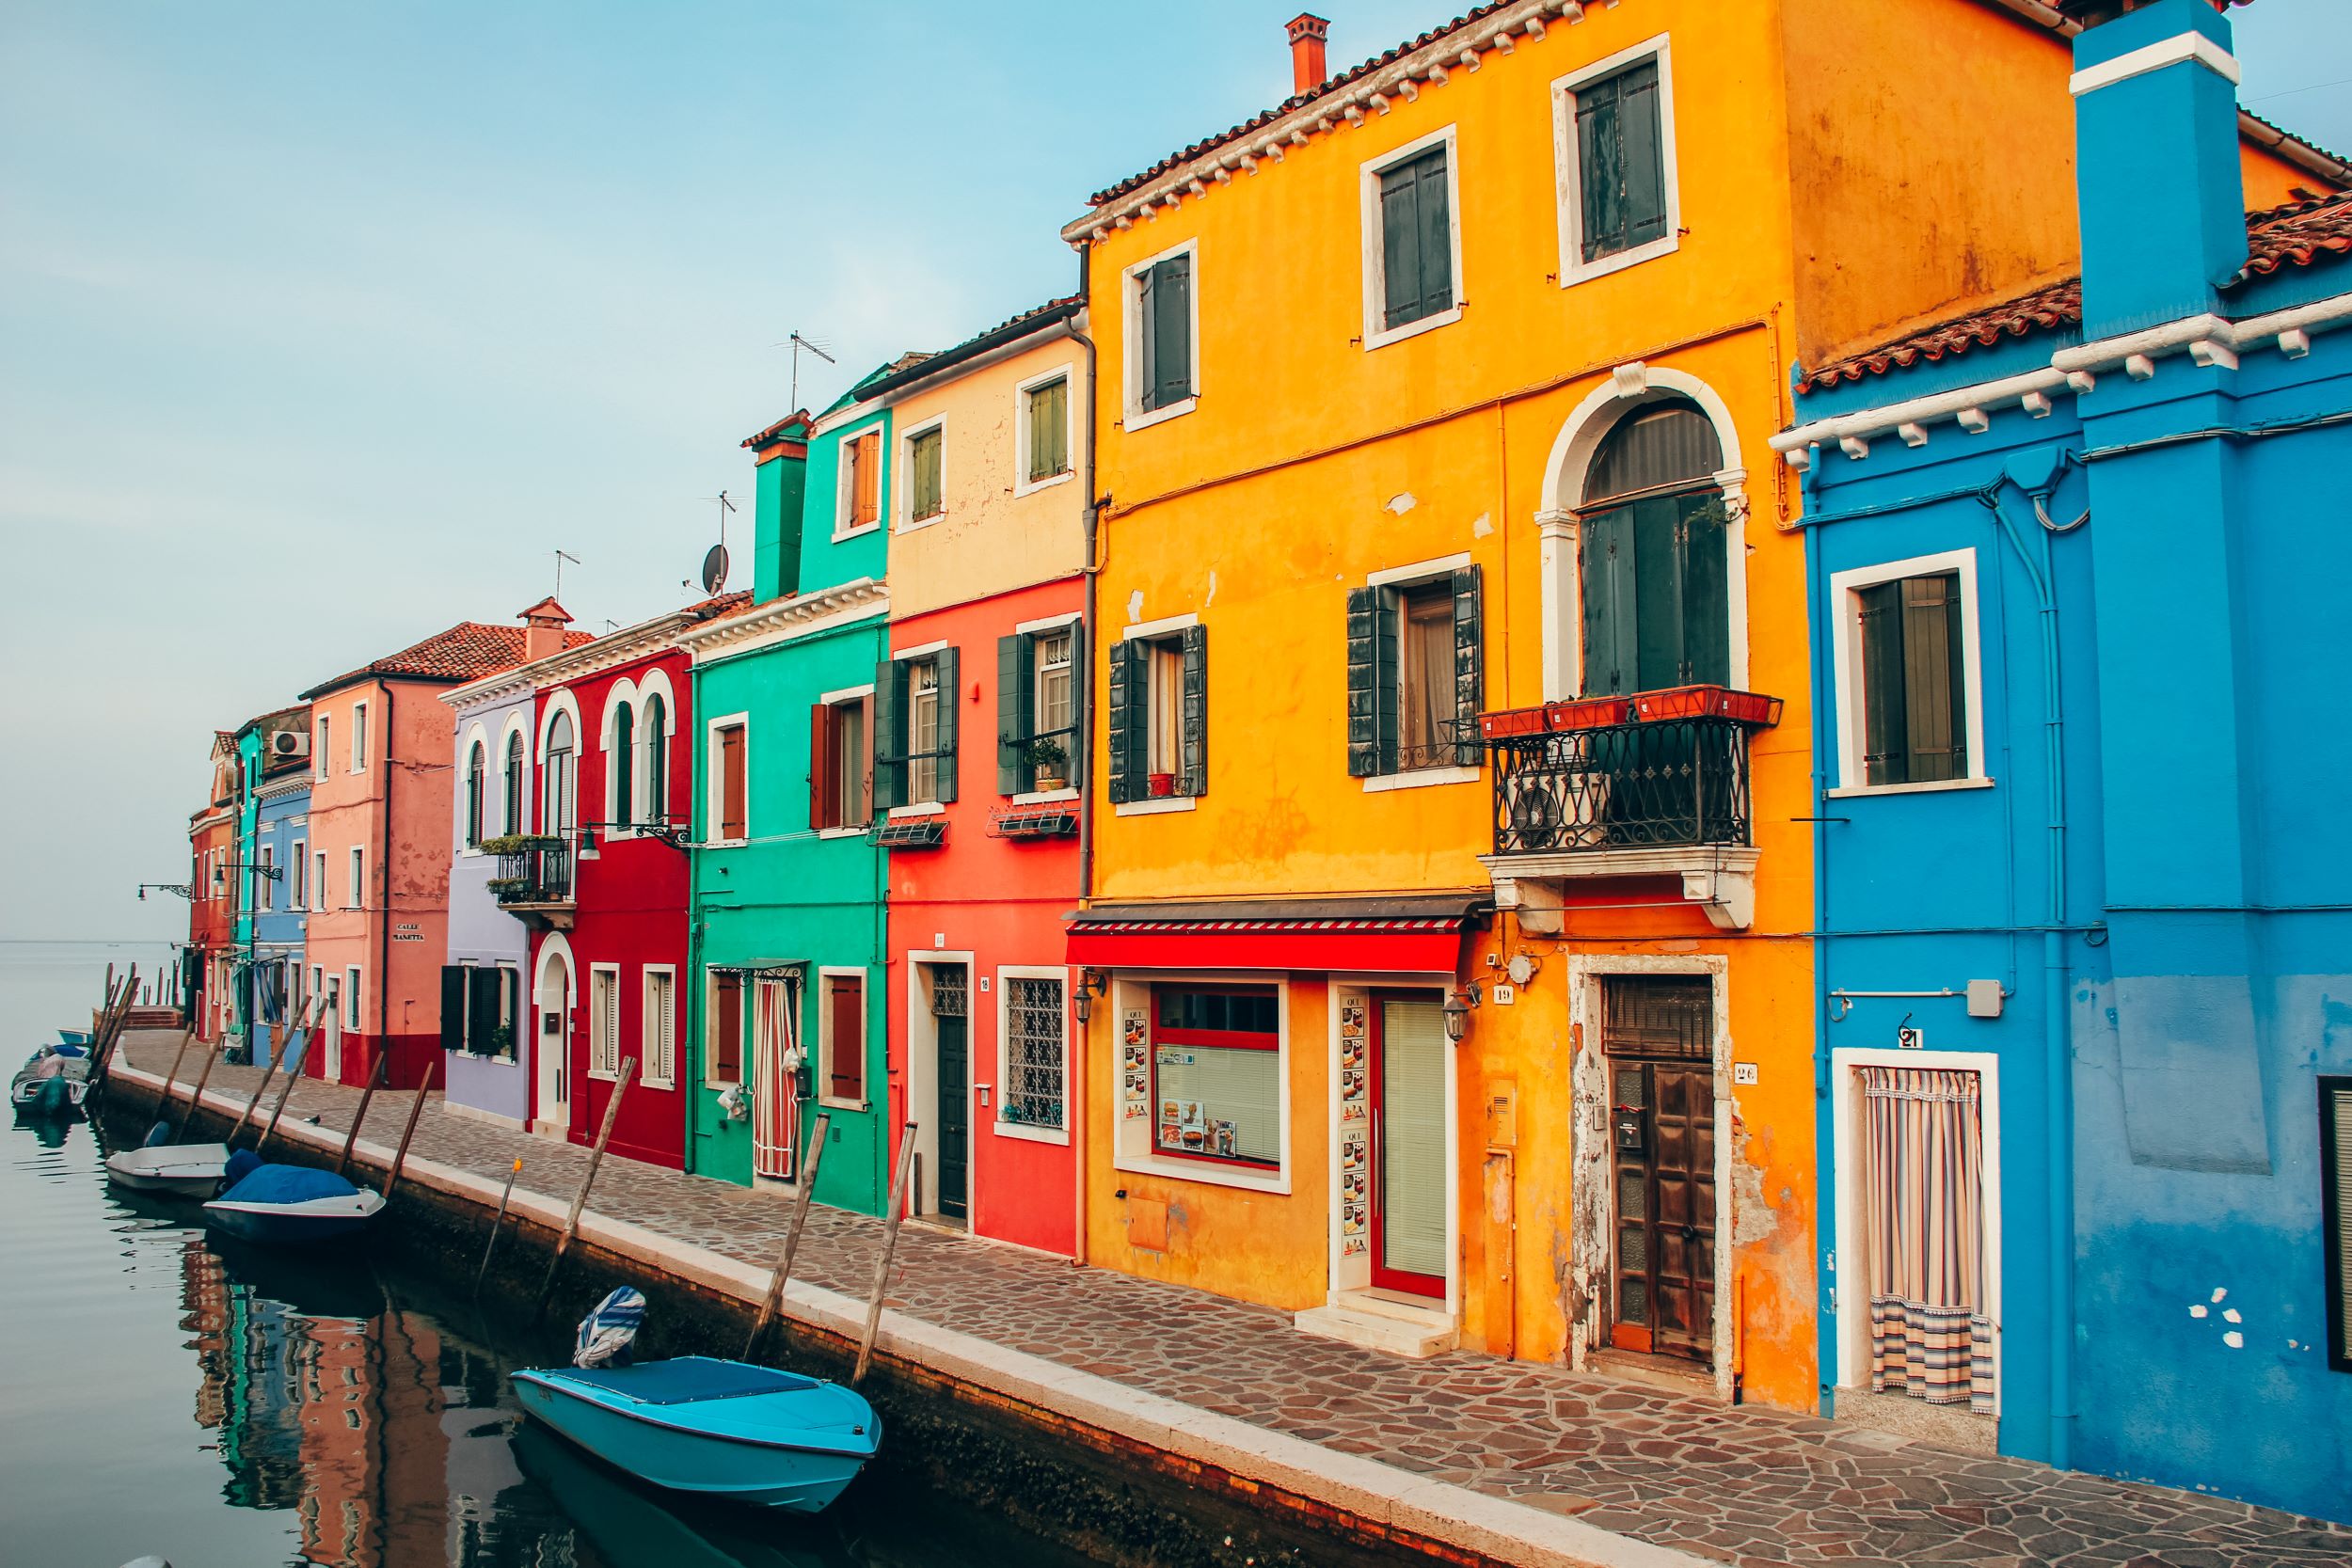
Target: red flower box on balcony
{"x":1707,"y":701}
{"x":1512,"y":721}
{"x":1585,"y":713}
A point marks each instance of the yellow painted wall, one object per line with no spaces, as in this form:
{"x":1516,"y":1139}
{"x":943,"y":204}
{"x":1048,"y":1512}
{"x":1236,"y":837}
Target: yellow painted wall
{"x":989,"y":540}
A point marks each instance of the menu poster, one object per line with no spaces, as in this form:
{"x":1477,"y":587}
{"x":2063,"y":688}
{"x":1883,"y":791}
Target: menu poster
{"x":1135,"y":1074}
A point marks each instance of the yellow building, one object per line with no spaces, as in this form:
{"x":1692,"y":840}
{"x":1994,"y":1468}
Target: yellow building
{"x":1442,"y":390}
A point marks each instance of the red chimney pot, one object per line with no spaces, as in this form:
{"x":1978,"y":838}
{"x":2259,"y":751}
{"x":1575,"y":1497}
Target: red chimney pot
{"x":1306,"y":33}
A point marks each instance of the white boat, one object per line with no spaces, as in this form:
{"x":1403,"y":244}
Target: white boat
{"x":180,"y":1170}
{"x":289,"y":1205}
{"x":54,"y":1093}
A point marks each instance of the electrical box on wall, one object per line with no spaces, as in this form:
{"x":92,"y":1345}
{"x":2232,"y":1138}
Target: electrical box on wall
{"x":1984,"y":999}
{"x":1502,"y":1115}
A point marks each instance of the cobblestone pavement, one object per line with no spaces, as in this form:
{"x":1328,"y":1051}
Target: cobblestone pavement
{"x":1744,"y":1484}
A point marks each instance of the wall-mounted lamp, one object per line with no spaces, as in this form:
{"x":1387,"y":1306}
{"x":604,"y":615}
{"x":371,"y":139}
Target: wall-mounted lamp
{"x":1457,"y":1011}
{"x":180,"y":888}
{"x":1091,"y":984}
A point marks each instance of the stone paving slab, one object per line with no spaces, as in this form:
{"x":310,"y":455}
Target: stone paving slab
{"x":1740,"y":1484}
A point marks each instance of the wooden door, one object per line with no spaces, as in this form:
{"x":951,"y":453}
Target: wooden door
{"x":951,"y":1010}
{"x":1657,"y":1034}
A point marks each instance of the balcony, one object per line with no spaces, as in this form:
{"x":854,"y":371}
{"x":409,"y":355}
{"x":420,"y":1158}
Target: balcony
{"x":1652,"y":785}
{"x":534,"y":878}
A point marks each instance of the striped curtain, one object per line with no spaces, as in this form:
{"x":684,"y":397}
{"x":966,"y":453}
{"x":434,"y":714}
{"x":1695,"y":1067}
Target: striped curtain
{"x":775,"y":1108}
{"x":1930,"y":1335}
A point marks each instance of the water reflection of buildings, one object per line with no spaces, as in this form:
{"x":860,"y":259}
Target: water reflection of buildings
{"x":376,"y":1426}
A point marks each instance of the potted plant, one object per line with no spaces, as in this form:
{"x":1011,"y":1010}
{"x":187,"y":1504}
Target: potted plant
{"x":1050,"y":760}
{"x":1161,"y":784}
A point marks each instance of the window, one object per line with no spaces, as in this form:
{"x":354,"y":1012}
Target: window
{"x":727,"y":778}
{"x":723,"y":1058}
{"x":1034,"y":1072}
{"x":604,"y":1020}
{"x":1161,"y":322}
{"x":2335,"y":1176}
{"x":840,"y":775}
{"x":298,"y":868}
{"x":1045,"y":430}
{"x":1217,"y":1077}
{"x":265,"y":879}
{"x":1159,"y":716}
{"x":915,"y":735}
{"x":1411,"y":249}
{"x":926,"y":459}
{"x":622,"y":765}
{"x":319,"y":753}
{"x":558,"y":775}
{"x":860,"y":505}
{"x":359,"y":738}
{"x":1616,"y":128}
{"x":653,"y":740}
{"x":318,"y":881}
{"x":478,"y":1009}
{"x":477,"y":782}
{"x":357,"y":896}
{"x":1416,"y":657}
{"x":843,"y":1036}
{"x":513,"y":821}
{"x":1915,"y":712}
{"x":351,"y":996}
{"x":661,"y":1026}
{"x":1039,"y":691}
{"x":1655,"y":556}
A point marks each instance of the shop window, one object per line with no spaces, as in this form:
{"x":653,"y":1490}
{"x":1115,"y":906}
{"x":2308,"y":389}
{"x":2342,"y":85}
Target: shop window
{"x":1216,"y":1074}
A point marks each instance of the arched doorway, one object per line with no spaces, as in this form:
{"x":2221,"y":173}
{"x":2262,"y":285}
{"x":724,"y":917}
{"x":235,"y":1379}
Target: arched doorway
{"x":1654,"y":556}
{"x":552,"y":1048}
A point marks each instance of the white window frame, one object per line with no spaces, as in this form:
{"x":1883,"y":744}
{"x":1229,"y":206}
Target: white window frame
{"x":359,"y":738}
{"x":518,"y":724}
{"x":745,"y":989}
{"x":1846,"y":659}
{"x":1135,"y":415}
{"x":650,"y":762}
{"x":350,"y":998}
{"x":1131,"y":1138}
{"x":1417,"y":574}
{"x":298,"y":877}
{"x":844,"y":492}
{"x":1157,"y":632}
{"x":319,"y":747}
{"x":265,"y":893}
{"x":824,"y":1035}
{"x":1067,"y":374}
{"x":1567,"y":164}
{"x":357,"y":890}
{"x":318,"y":882}
{"x":842,"y":698}
{"x":1006,"y":974}
{"x":715,"y":786}
{"x":1376,"y":269}
{"x":902,"y":517}
{"x":604,"y":1046}
{"x":648,"y":1029}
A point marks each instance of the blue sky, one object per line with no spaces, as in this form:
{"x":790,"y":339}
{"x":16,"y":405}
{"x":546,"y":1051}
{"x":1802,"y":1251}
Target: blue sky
{"x":324,"y":327}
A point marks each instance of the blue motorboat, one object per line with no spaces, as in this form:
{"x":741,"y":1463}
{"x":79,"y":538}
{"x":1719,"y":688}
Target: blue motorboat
{"x":703,"y":1426}
{"x":288,"y":1205}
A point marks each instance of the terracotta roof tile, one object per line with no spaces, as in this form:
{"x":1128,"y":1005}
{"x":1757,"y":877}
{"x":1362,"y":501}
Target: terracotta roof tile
{"x":2297,"y":234}
{"x":467,"y":651}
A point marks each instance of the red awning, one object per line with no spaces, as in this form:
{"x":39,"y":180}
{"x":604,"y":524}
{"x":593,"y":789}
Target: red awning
{"x":1342,"y":943}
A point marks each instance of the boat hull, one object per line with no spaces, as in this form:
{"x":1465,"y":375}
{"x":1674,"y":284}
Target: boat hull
{"x":799,"y":1480}
{"x":47,"y":1097}
{"x":178,"y":1170}
{"x":296,"y":1224}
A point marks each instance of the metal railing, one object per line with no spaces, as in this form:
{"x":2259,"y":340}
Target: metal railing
{"x":1622,"y":787}
{"x":538,"y":872}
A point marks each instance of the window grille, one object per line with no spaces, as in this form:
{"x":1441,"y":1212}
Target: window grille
{"x":1034,"y":1052}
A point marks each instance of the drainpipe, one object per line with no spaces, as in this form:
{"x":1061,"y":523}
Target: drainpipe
{"x":384,"y":869}
{"x":1808,"y":492}
{"x":1078,"y":1058}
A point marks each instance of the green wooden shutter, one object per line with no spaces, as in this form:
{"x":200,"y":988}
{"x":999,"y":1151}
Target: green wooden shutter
{"x":950,"y":698}
{"x":485,"y":990}
{"x":1640,"y":126}
{"x":1081,"y":699}
{"x":1193,"y":753}
{"x":1659,"y":659}
{"x":1130,"y":717}
{"x":1049,"y":430}
{"x":1884,"y":728}
{"x":890,"y":734}
{"x":1705,"y":592}
{"x":1363,"y":689}
{"x":453,"y":1007}
{"x":1169,"y":320}
{"x":1935,"y":705}
{"x":1600,"y":159}
{"x":622,"y":761}
{"x":1469,"y":665}
{"x":1612,"y":654}
{"x":1400,"y":245}
{"x":1015,"y":656}
{"x":1435,"y":222}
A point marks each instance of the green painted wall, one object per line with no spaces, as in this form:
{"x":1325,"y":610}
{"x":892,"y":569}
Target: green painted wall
{"x":780,"y":488}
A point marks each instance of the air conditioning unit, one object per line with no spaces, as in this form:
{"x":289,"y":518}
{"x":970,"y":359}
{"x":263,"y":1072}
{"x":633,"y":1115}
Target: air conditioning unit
{"x":290,"y":743}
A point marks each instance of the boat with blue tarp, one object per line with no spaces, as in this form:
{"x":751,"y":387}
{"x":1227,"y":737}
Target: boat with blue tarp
{"x":288,"y":1205}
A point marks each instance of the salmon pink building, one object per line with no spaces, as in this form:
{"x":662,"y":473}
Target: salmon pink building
{"x":378,"y":884}
{"x":979,"y":719}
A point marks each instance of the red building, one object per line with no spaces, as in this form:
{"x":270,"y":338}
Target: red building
{"x":605,"y":892}
{"x":209,"y":979}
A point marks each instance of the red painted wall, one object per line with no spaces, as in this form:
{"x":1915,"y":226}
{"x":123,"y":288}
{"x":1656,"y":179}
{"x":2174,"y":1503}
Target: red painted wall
{"x":1003,"y":901}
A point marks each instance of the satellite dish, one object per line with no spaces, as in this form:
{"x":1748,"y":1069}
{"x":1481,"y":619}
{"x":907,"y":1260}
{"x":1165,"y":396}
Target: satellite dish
{"x":715,"y":569}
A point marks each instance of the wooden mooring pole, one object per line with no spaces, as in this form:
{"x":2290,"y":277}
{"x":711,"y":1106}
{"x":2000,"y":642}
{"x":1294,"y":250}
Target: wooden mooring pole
{"x":177,"y":1058}
{"x":580,"y":1198}
{"x":496,"y":1226}
{"x":793,"y":1238}
{"x":375,"y":1080}
{"x":400,"y":1155}
{"x":285,"y":1092}
{"x":890,"y":1251}
{"x":195,"y":1095}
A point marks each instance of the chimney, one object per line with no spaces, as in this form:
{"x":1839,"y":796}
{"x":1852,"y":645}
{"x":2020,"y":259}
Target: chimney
{"x":543,"y":629}
{"x":2162,"y":198}
{"x":1307,"y":32}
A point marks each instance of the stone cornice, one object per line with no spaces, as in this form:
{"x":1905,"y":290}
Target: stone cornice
{"x":781,"y":620}
{"x":606,"y":653}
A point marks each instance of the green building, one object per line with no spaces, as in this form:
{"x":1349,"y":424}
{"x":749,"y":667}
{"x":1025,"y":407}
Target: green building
{"x":787,"y":1015}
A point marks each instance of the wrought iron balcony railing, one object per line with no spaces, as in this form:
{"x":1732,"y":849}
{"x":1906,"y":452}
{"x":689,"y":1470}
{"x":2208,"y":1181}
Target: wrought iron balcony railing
{"x":1650,"y":784}
{"x":536,"y":870}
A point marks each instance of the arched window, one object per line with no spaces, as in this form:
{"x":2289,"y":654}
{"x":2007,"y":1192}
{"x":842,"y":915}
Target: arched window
{"x":513,"y":823}
{"x":655,"y":736}
{"x":1656,"y":569}
{"x":476,"y":782}
{"x":623,"y":763}
{"x":556,"y":778}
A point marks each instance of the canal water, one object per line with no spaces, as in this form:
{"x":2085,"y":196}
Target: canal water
{"x":165,"y":1390}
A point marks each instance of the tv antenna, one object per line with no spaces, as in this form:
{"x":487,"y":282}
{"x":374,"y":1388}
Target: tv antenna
{"x":560,"y":557}
{"x":797,"y":343}
{"x":715,"y":564}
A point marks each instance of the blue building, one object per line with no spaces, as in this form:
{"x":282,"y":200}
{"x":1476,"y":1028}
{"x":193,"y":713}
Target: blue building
{"x":273,"y":878}
{"x":2085,"y":925}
